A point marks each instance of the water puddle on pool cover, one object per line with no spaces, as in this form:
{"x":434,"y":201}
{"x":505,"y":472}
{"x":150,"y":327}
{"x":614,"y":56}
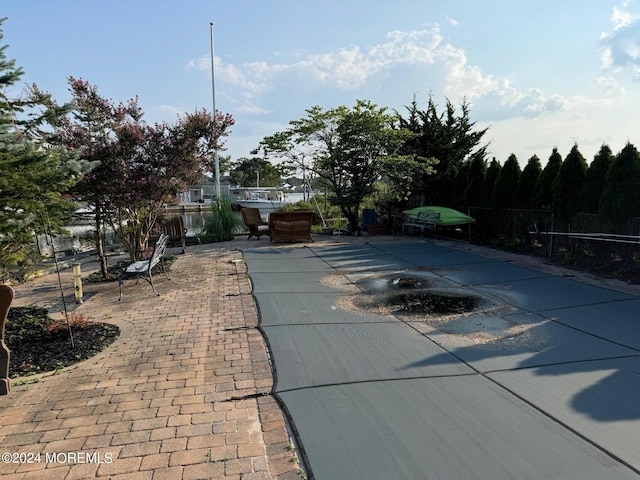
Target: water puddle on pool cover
{"x":412,"y":295}
{"x":454,"y":314}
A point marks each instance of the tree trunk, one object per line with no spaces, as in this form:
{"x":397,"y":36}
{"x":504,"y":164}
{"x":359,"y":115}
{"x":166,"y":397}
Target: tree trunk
{"x":99,"y":246}
{"x":352,"y":221}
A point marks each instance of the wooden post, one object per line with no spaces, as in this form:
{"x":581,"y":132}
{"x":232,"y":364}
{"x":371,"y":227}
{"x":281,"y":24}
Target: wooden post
{"x":6,"y":297}
{"x":77,"y":282}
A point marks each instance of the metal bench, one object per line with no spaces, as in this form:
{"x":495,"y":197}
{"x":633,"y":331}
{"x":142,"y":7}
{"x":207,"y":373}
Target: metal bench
{"x":144,"y":267}
{"x":422,"y":221}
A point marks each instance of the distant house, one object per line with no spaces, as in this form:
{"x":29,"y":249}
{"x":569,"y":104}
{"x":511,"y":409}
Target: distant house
{"x":203,"y":192}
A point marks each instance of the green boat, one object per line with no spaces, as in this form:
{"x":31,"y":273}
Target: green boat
{"x":448,"y":216}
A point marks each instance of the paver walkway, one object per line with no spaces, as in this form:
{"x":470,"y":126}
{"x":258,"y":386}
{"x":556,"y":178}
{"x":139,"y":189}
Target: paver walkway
{"x":177,"y":396}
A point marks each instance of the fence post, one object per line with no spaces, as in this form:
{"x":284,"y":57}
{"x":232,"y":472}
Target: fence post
{"x":551,"y":239}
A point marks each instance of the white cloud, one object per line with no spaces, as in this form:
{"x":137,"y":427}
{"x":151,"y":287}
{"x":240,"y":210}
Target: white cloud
{"x":621,"y":47}
{"x":588,"y":122}
{"x":413,"y":54}
{"x":610,"y":87}
{"x":171,"y":109}
{"x":621,"y":18}
{"x":251,"y":109}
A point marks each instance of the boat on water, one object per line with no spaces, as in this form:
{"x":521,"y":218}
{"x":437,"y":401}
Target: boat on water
{"x":448,"y":216}
{"x":266,"y":200}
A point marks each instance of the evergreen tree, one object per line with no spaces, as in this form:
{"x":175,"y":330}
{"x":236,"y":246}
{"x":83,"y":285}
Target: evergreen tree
{"x":34,"y":177}
{"x":477,"y":171}
{"x":620,"y":198}
{"x":504,"y":191}
{"x":567,"y":189}
{"x":448,"y":137}
{"x":524,"y":190}
{"x":460,"y":183}
{"x":595,"y":177}
{"x":489,"y":183}
{"x":543,"y":191}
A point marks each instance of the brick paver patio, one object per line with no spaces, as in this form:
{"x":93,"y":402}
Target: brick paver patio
{"x":182,"y":394}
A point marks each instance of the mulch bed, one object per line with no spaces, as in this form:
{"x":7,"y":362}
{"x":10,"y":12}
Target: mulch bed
{"x":39,"y":344}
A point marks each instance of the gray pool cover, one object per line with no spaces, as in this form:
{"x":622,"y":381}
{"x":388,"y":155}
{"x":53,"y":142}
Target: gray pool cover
{"x":539,"y":380}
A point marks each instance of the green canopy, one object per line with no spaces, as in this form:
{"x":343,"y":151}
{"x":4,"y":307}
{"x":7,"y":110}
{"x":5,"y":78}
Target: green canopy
{"x":448,"y":216}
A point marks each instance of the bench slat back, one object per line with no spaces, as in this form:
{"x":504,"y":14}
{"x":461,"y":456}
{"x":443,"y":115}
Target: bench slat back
{"x":428,"y":216}
{"x":158,"y":250}
{"x":174,"y":227}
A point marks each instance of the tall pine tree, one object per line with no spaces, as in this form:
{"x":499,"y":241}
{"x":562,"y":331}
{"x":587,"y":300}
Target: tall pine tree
{"x":620,"y":199}
{"x":543,"y":191}
{"x":450,"y":137}
{"x":490,"y":182}
{"x":34,"y":176}
{"x":567,"y":189}
{"x":477,"y":171}
{"x":526,"y":184}
{"x":595,"y":177}
{"x":504,"y":191}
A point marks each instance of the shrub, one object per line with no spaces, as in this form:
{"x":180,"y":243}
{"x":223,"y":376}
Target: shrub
{"x":222,"y":225}
{"x":75,"y":320}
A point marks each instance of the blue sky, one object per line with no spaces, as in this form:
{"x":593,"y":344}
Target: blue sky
{"x":539,"y":74}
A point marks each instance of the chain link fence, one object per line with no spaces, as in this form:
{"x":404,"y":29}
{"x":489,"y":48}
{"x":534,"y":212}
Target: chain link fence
{"x":579,"y":242}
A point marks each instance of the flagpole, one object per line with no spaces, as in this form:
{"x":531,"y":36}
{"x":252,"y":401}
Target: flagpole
{"x":213,"y":96}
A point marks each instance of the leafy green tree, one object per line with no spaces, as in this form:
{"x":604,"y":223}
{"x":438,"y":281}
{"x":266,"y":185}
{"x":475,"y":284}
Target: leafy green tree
{"x":526,"y":185}
{"x":567,"y":189}
{"x":489,"y":183}
{"x":503,"y":191}
{"x":256,"y":171}
{"x":543,"y":191}
{"x":595,"y":177}
{"x":34,"y":177}
{"x":448,"y":137}
{"x":620,"y":198}
{"x":351,"y":149}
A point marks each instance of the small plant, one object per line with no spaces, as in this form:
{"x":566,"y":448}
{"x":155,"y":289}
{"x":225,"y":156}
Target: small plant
{"x":27,"y":370}
{"x":75,"y":320}
{"x":25,"y":381}
{"x":58,"y":369}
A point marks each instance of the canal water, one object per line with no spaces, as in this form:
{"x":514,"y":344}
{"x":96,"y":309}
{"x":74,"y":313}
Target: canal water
{"x":82,"y":232}
{"x":81,"y":236}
